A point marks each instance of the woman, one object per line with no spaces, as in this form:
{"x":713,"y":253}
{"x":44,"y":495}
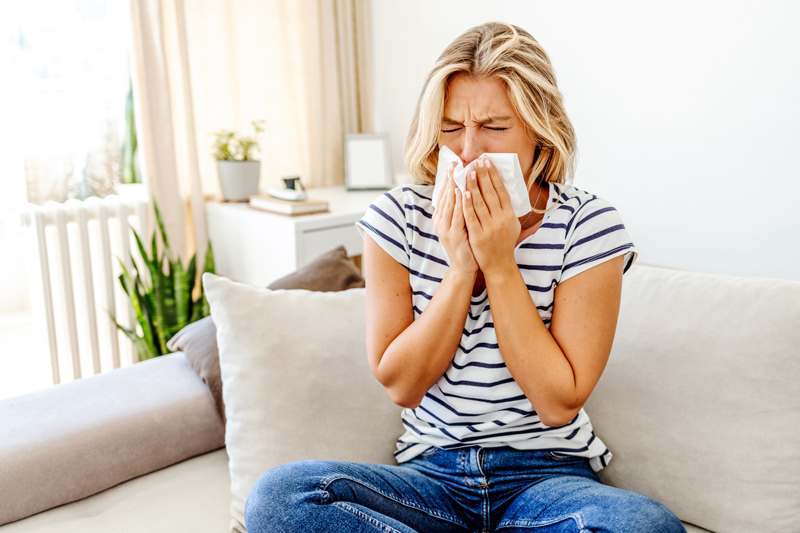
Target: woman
{"x":491,"y":330}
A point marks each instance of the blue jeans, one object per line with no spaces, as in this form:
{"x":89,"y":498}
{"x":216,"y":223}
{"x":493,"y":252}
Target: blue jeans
{"x":457,"y":491}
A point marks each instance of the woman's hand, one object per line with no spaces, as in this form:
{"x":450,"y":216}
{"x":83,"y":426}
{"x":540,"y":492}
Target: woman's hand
{"x":491,"y":224}
{"x":448,"y":219}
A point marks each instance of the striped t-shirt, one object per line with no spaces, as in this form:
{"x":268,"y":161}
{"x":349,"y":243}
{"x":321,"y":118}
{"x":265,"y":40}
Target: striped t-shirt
{"x":477,"y":402}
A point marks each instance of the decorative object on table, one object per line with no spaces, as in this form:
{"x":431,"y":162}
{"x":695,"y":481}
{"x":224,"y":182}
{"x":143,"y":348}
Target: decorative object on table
{"x":237,"y":169}
{"x":269,"y":203}
{"x":164,"y":298}
{"x":293,"y":190}
{"x":367,"y":161}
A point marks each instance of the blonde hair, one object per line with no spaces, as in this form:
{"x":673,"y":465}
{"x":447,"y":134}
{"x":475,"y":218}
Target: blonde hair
{"x":509,"y":54}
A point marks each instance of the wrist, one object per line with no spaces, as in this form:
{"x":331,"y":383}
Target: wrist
{"x":501,"y":272}
{"x":462,"y":276}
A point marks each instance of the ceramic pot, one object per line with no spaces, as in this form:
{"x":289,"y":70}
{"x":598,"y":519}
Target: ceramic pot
{"x":238,"y":180}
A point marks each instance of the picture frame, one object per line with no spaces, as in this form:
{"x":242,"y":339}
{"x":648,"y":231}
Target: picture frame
{"x":367,"y":161}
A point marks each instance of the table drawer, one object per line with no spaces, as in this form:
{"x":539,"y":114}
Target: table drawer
{"x":318,"y":241}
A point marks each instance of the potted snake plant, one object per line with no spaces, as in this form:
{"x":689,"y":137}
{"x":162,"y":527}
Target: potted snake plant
{"x":165,"y":295}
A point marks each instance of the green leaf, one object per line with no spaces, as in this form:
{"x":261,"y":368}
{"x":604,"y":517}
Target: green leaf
{"x":130,"y":144}
{"x":191,"y":280}
{"x":149,"y":262}
{"x":159,"y":320}
{"x":132,"y":285}
{"x":182,"y":296}
{"x":143,"y":350}
{"x":167,"y":249}
{"x":209,"y":266}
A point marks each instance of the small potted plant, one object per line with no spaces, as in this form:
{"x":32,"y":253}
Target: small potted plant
{"x":237,"y":169}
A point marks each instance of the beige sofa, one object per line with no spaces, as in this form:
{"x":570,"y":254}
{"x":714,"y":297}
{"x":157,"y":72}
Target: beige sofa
{"x":700,"y":404}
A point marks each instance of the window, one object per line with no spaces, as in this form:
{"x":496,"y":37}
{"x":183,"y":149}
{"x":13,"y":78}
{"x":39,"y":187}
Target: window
{"x":69,"y":72}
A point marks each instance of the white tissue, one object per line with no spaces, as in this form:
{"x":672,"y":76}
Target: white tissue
{"x":507,"y":166}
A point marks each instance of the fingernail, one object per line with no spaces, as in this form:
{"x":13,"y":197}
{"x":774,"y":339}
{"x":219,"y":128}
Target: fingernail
{"x":472,"y":175}
{"x":488,"y":164}
{"x":467,"y":195}
{"x":480,"y":163}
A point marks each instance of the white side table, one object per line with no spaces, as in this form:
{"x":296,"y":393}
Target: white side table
{"x":258,"y":247}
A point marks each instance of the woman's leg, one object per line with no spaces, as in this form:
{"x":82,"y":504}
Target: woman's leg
{"x":327,"y":496}
{"x":577,"y":504}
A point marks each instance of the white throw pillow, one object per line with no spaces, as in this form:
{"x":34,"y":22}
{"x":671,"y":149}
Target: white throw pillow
{"x":296,"y":382}
{"x":700,"y":401}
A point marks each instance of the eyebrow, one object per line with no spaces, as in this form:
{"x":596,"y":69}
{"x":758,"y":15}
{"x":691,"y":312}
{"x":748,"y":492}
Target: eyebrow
{"x":489,"y":120}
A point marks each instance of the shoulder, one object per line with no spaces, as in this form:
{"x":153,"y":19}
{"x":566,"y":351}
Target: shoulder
{"x":407,"y":197}
{"x":593,"y":230}
{"x":407,"y":201}
{"x":576,"y":207}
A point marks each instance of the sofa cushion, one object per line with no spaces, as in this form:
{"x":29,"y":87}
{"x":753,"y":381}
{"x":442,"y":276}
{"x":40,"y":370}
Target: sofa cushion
{"x":198,"y":342}
{"x":193,"y":495}
{"x":297,"y":384}
{"x":700,"y":401}
{"x":331,"y":271}
{"x":73,"y":440}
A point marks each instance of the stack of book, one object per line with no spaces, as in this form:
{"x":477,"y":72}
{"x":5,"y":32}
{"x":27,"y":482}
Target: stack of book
{"x":288,"y":207}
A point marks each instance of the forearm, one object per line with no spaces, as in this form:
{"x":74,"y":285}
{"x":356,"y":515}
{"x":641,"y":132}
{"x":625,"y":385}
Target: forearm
{"x":421,"y":353}
{"x":531,"y":354}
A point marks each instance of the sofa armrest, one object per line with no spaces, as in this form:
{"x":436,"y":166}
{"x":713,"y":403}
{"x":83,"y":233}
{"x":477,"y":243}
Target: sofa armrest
{"x":73,"y":440}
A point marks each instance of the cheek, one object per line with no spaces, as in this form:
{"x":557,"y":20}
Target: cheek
{"x":526,"y":159}
{"x":525,"y":151}
{"x":451,"y":140}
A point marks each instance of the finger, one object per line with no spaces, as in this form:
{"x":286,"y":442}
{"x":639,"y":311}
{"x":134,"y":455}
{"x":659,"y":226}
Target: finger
{"x":445,"y":200}
{"x":442,"y":194}
{"x":471,"y":220}
{"x":458,"y":211}
{"x":499,"y":186}
{"x":487,"y":187}
{"x":476,"y":199}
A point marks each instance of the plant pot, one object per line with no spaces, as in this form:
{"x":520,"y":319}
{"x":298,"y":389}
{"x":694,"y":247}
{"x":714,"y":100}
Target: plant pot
{"x":238,"y":180}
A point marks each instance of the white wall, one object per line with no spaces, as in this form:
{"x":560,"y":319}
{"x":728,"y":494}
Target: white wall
{"x":687,"y":114}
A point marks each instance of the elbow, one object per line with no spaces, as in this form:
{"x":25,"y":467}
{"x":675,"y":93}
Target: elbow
{"x":558,"y":417}
{"x":404,"y":398}
{"x":398,"y":390}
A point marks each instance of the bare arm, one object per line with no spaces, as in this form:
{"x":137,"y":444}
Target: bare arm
{"x":557,"y":369}
{"x":408,"y":356}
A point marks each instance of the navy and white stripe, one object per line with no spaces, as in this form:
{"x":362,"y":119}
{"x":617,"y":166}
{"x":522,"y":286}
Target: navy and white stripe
{"x":477,"y":401}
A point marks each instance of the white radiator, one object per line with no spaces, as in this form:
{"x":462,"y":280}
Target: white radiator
{"x":74,"y":270}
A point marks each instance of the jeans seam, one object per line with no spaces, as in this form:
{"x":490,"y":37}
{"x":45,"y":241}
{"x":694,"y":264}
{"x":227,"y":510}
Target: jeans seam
{"x":364,"y":517}
{"x":326,"y":482}
{"x":577,"y":517}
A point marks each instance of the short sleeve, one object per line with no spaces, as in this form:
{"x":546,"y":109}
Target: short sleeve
{"x":385,"y":222}
{"x":596,"y":234}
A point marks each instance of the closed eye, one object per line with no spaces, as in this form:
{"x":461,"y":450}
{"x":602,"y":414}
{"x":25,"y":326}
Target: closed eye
{"x":496,"y":129}
{"x":451,"y":130}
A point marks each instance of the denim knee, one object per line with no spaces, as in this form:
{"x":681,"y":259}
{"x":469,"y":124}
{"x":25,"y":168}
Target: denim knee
{"x":662,"y":518}
{"x":281,"y":488}
{"x":645,"y":514}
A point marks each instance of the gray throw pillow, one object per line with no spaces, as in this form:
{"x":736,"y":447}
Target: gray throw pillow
{"x":330,"y":272}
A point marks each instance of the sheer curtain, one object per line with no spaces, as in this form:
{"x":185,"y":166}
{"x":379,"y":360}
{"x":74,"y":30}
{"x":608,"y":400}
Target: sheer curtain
{"x":203,"y":66}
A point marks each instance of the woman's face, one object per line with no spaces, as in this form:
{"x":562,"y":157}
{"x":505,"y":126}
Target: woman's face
{"x":479,"y":118}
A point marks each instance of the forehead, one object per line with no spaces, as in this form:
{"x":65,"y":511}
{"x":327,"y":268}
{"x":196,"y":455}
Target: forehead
{"x":470,"y":96}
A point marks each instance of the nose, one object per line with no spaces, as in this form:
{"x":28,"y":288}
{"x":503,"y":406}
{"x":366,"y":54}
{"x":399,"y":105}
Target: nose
{"x":471,"y":149}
